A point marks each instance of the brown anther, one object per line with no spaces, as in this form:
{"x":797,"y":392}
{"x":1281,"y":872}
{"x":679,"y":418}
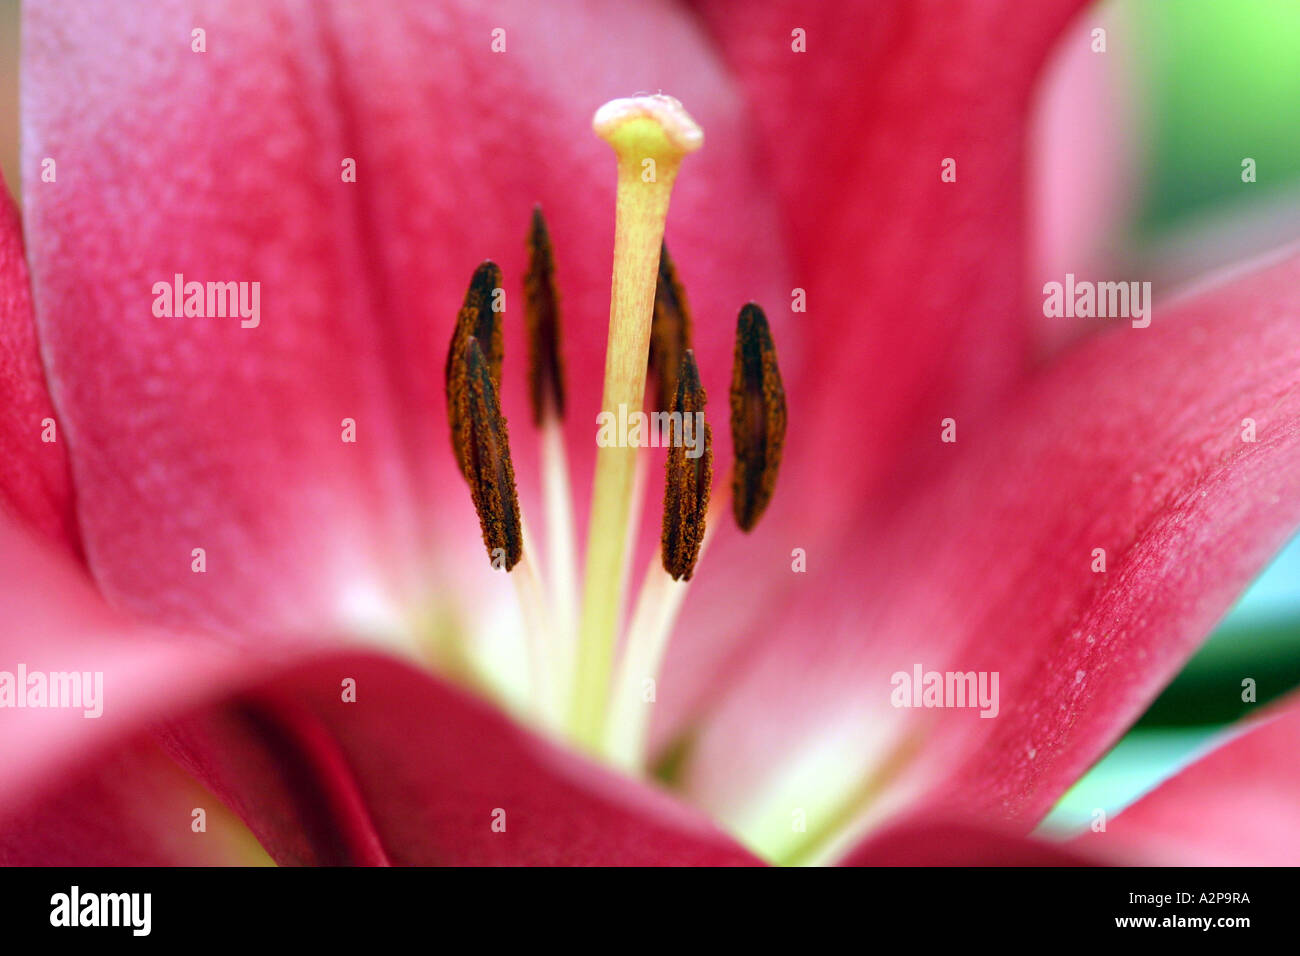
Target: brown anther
{"x":486,"y":453}
{"x":476,"y":319}
{"x":689,"y":476}
{"x":670,"y":332}
{"x":542,"y":318}
{"x":757,"y":417}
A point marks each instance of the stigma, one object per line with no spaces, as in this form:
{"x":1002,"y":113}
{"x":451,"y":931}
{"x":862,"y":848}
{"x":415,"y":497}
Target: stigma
{"x":586,"y":673}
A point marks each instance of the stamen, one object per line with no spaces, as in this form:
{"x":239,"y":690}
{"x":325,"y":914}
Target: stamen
{"x":686,"y":489}
{"x":657,"y":605}
{"x":476,"y":319}
{"x":544,"y":700}
{"x":562,"y":558}
{"x":758,"y":417}
{"x":647,"y":640}
{"x":650,"y":136}
{"x":546,"y":391}
{"x":486,"y":453}
{"x":670,"y":331}
{"x":542,"y":318}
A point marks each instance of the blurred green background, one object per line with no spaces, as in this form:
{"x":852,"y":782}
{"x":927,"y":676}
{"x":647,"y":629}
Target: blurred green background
{"x":1219,"y":74}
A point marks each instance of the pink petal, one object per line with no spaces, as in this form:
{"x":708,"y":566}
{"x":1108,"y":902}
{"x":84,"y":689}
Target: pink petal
{"x":921,"y":842}
{"x":226,"y":165}
{"x":55,"y":622}
{"x":1237,"y":806}
{"x":419,"y":772}
{"x":34,"y":484}
{"x":411,"y":772}
{"x":84,"y":789}
{"x":916,"y":288}
{"x":1132,"y":443}
{"x":1086,"y":165}
{"x":131,"y":807}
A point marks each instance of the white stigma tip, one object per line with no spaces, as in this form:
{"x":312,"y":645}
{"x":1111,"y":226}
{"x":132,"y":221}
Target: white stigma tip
{"x":682,"y":131}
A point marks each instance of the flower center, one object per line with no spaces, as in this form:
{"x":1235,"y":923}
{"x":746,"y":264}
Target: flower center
{"x":585,"y":685}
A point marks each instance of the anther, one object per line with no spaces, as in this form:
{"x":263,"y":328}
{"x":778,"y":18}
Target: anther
{"x":689,"y":476}
{"x":477,"y":319}
{"x":670,"y":332}
{"x":542,"y":319}
{"x":486,"y":454}
{"x":758,"y":417}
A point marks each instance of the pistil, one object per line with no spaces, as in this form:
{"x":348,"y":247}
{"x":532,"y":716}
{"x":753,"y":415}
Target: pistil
{"x":650,"y":136}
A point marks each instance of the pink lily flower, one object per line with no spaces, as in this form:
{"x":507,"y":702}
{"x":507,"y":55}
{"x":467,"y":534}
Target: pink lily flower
{"x":300,"y":635}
